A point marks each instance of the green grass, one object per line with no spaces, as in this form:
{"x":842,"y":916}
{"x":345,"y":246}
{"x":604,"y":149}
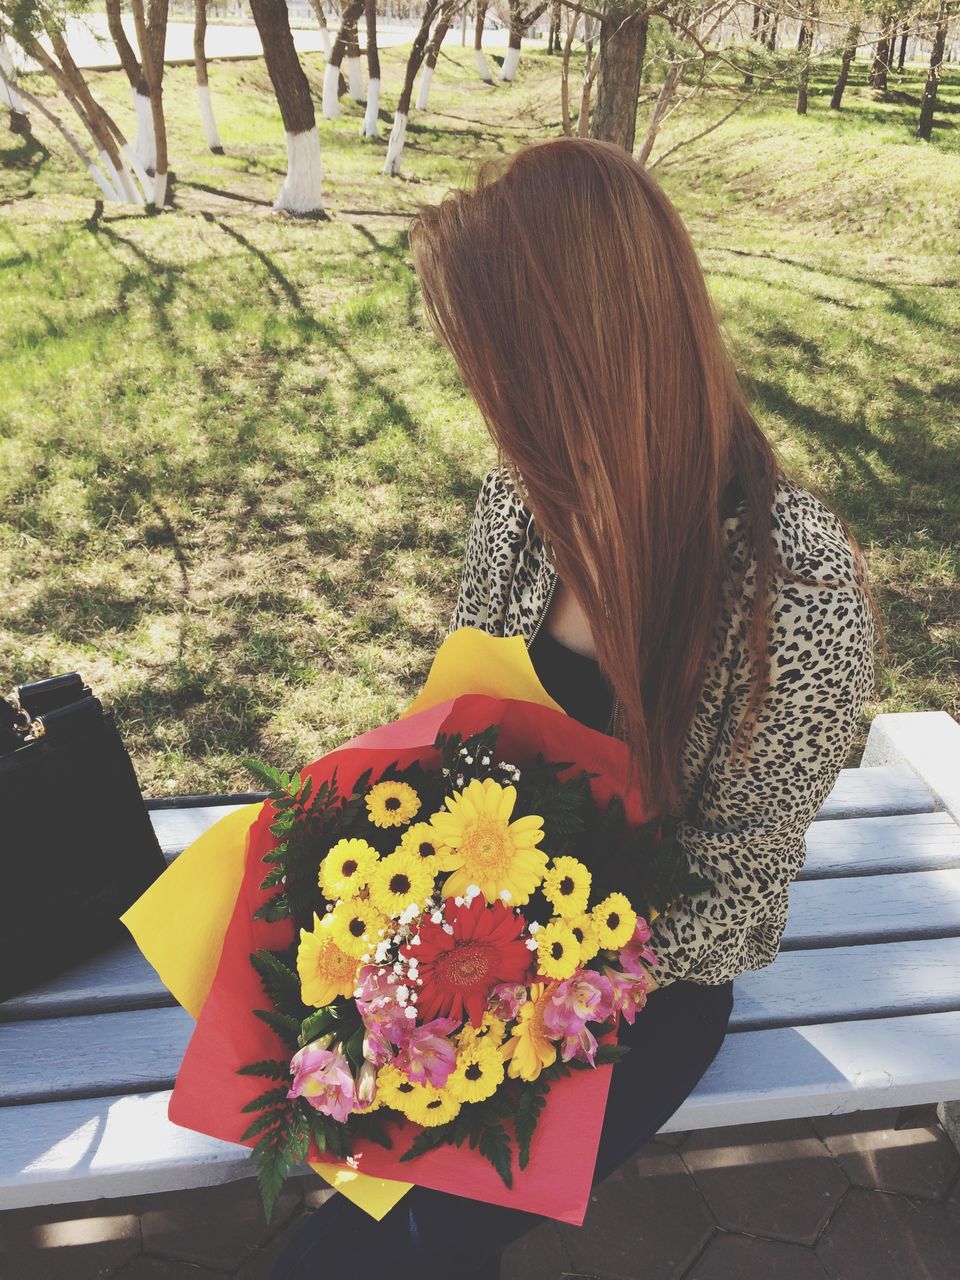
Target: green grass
{"x":236,"y":470}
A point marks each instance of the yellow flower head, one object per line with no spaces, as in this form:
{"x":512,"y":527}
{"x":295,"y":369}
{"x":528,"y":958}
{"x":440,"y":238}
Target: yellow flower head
{"x":325,"y":970}
{"x":346,"y":868}
{"x":615,"y":920}
{"x":419,"y":838}
{"x":491,"y":1029}
{"x":355,"y":925}
{"x":479,"y":1071}
{"x":558,"y":952}
{"x":392,"y":804}
{"x":481,"y":846}
{"x":422,"y":1102}
{"x":400,"y":879}
{"x":530,"y":1048}
{"x":584,"y":929}
{"x":567,"y":886}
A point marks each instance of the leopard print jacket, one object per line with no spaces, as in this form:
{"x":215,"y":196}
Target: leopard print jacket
{"x":743,"y":830}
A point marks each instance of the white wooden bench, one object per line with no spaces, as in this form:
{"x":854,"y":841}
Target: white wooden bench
{"x":860,"y":1010}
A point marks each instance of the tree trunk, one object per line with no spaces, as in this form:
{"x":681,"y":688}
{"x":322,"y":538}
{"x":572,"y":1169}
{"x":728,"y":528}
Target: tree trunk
{"x":479,"y":57}
{"x":9,"y":95}
{"x":881,"y":61}
{"x":152,"y":37}
{"x":128,"y":59}
{"x":447,"y":14}
{"x":317,"y":6}
{"x":398,"y":133}
{"x":928,"y":105}
{"x":623,"y":45}
{"x":331,"y":75}
{"x":301,"y":191}
{"x":904,"y":36}
{"x":774,"y":28}
{"x":667,"y":93}
{"x":203,"y":87}
{"x":849,"y":52}
{"x":354,"y":70}
{"x":553,"y":39}
{"x":371,"y":117}
{"x":519,"y":22}
{"x":806,"y":50}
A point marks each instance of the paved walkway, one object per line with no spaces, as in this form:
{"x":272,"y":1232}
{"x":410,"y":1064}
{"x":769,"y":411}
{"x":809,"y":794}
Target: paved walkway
{"x":868,"y":1197}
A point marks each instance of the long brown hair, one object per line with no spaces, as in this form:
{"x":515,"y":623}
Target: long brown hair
{"x":570,"y":295}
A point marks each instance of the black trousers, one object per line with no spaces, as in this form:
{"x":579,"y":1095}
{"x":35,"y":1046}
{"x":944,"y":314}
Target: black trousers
{"x":431,"y":1235}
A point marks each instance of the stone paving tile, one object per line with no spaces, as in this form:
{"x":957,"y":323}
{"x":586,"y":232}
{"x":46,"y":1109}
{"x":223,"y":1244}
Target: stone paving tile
{"x":646,"y":1219}
{"x":146,"y":1268}
{"x":263,"y":1257}
{"x":85,"y":1241}
{"x":733,"y":1257}
{"x":214,"y":1226}
{"x":953,"y":1203}
{"x":876,"y":1235}
{"x":877,"y":1149}
{"x":539,"y":1255}
{"x":767,"y":1179}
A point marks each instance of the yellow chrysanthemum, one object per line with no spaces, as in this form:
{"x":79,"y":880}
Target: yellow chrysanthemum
{"x":429,"y":1105}
{"x":392,"y":1086}
{"x":558,"y":952}
{"x":479,"y":1071}
{"x":400,"y":878}
{"x":420,"y":838}
{"x":392,"y":804}
{"x":326,"y":971}
{"x":355,"y":924}
{"x":481,"y":846}
{"x":491,"y":1029}
{"x":584,"y":929}
{"x":346,"y":868}
{"x":530,"y":1048}
{"x":615,"y":920}
{"x":566,"y":886}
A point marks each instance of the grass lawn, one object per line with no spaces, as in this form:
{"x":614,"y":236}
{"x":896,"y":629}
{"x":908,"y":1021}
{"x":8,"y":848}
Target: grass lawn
{"x":236,"y":470}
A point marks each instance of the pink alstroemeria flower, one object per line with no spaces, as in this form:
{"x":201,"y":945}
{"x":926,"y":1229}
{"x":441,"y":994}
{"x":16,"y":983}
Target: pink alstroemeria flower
{"x":426,"y":1054}
{"x":585,"y":997}
{"x":629,"y":992}
{"x":636,"y":951}
{"x":324,"y":1078}
{"x":506,"y":999}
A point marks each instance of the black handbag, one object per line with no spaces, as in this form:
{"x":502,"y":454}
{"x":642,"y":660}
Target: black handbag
{"x":77,"y":847}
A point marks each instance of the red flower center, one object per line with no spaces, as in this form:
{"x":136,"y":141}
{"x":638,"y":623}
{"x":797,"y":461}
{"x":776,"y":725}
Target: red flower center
{"x":467,"y":965}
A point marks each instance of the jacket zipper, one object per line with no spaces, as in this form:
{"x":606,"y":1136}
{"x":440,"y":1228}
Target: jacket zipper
{"x":543,"y":614}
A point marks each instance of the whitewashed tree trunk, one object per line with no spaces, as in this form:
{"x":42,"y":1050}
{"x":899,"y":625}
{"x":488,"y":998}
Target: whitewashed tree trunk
{"x":511,"y":61}
{"x":355,"y":78}
{"x":325,"y":40}
{"x":302,"y":190}
{"x":208,"y":120}
{"x":483,"y":67}
{"x":145,"y":141}
{"x":395,"y":146}
{"x":9,"y":95}
{"x":331,"y":99}
{"x":371,"y":122}
{"x":423,"y":93}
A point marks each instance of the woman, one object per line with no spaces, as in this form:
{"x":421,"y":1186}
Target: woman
{"x":674,"y":588}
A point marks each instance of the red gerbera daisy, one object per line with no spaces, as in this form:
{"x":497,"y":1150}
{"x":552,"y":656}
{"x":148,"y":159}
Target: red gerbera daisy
{"x":458,"y":969}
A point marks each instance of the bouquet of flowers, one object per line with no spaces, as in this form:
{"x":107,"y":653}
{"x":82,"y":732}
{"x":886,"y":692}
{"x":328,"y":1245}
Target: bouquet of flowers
{"x":427,"y":939}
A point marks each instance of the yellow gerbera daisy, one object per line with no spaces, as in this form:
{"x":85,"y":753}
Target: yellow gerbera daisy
{"x":479,"y":1071}
{"x":558,"y":952}
{"x":584,"y":929}
{"x":567,"y":886}
{"x":400,"y":879}
{"x":481,"y":846}
{"x":355,"y":923}
{"x":614,"y":920}
{"x":325,"y":970}
{"x":393,"y":1086}
{"x":428,"y":1105}
{"x":529,"y":1048}
{"x":419,"y":838}
{"x":392,"y":804}
{"x":491,"y":1029}
{"x":346,"y":868}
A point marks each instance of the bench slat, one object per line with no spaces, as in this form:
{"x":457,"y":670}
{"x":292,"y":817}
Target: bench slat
{"x":892,"y":908}
{"x":845,"y":983}
{"x":880,"y":846}
{"x":69,"y":1151}
{"x":52,"y":1058}
{"x":886,"y":789}
{"x":120,"y":978}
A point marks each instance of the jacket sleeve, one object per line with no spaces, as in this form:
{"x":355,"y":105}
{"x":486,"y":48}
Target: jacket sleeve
{"x":473,"y":597}
{"x":746,"y":833}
